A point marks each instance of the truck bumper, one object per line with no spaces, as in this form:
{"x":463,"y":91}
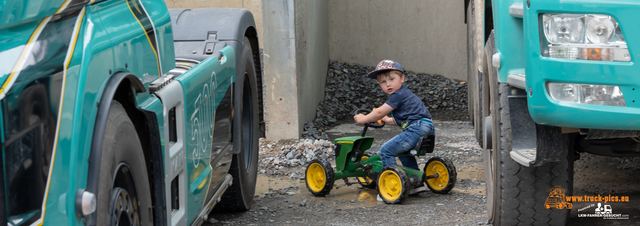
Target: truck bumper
{"x":541,"y":70}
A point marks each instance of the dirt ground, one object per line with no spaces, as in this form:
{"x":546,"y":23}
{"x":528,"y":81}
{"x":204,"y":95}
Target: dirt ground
{"x":285,"y":199}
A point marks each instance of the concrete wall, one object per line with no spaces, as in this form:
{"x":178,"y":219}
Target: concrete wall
{"x":255,"y":6}
{"x":312,"y":51}
{"x":423,"y":36}
{"x":295,"y":63}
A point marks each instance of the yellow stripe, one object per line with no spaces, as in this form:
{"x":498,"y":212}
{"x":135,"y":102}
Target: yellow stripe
{"x":72,"y":47}
{"x":64,"y":5}
{"x":148,"y":39}
{"x":345,"y":142}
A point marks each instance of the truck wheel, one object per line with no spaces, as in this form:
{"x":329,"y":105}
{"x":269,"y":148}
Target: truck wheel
{"x":319,"y":177}
{"x":124,"y":196}
{"x":244,"y":166}
{"x":366,"y":182}
{"x":516,"y":194}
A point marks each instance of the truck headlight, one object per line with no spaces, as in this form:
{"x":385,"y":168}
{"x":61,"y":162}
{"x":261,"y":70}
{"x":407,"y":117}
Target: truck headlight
{"x":583,"y":36}
{"x":586,"y":94}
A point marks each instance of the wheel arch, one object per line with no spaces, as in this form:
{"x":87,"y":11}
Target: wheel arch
{"x":231,"y":26}
{"x":123,"y":87}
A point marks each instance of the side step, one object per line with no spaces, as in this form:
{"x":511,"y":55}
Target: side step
{"x":204,"y":213}
{"x":525,"y":157}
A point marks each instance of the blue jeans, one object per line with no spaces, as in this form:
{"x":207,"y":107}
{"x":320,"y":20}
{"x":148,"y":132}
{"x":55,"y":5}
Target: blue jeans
{"x":404,"y":142}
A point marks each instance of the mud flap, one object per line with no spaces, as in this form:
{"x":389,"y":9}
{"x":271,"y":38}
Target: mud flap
{"x":533,"y":144}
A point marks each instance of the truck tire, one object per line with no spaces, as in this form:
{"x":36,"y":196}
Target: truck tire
{"x":516,"y":194}
{"x":244,"y":166}
{"x":123,"y":174}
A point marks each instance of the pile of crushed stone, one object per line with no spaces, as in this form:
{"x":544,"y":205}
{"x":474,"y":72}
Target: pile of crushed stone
{"x":276,"y":157}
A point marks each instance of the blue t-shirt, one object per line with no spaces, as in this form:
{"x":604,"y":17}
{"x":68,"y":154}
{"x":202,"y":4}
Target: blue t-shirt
{"x":407,"y":106}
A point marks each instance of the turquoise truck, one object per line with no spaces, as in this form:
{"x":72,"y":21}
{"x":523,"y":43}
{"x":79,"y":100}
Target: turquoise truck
{"x":123,"y":112}
{"x":548,"y":80}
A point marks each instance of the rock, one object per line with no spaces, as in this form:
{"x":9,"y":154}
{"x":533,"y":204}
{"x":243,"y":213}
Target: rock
{"x":212,"y":220}
{"x":303,"y":203}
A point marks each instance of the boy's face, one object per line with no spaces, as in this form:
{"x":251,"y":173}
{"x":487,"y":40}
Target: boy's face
{"x":391,"y":83}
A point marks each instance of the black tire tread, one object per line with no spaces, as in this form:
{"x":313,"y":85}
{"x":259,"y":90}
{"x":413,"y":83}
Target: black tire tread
{"x":121,"y":144}
{"x":524,"y":190}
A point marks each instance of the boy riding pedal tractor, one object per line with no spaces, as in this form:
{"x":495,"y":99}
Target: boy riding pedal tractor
{"x":394,"y":183}
{"x":408,"y":112}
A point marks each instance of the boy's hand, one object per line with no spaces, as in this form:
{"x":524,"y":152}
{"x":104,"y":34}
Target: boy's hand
{"x":388,"y":120}
{"x":359,"y":118}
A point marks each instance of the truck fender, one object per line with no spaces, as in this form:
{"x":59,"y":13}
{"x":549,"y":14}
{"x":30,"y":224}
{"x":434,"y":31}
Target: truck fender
{"x":230,"y":27}
{"x":197,"y":24}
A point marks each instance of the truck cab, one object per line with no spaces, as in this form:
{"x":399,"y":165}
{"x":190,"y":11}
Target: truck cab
{"x":549,"y":80}
{"x":125,"y":112}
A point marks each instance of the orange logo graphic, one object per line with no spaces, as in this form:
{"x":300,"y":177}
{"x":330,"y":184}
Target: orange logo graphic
{"x":557,"y":199}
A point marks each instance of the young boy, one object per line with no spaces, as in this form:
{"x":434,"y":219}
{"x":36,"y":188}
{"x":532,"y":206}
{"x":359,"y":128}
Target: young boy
{"x":407,"y":111}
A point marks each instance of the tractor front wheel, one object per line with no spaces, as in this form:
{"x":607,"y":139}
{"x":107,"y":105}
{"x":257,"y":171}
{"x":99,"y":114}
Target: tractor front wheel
{"x":319,"y":177}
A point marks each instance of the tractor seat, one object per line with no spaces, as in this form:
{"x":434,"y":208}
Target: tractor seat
{"x":424,"y":145}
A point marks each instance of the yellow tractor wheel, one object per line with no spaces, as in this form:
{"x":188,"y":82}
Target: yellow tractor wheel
{"x":319,"y":177}
{"x":446,"y":172}
{"x":393,"y":185}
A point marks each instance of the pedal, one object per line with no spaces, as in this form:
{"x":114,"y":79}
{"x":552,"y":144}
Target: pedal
{"x":417,"y":190}
{"x":367,"y":167}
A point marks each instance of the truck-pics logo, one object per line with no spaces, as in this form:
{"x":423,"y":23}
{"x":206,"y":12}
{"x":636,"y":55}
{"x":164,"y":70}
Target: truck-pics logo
{"x":557,"y":199}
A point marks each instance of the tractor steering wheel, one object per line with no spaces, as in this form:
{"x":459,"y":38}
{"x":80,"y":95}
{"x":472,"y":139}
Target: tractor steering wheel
{"x":370,"y":124}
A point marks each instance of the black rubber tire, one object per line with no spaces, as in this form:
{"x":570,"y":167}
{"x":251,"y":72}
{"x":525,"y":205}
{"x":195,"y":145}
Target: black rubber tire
{"x":122,"y":166}
{"x":404,"y":181}
{"x":366,"y":182}
{"x":244,"y":166}
{"x":471,"y":60}
{"x":452,"y":175}
{"x":329,"y":176}
{"x":516,"y":194}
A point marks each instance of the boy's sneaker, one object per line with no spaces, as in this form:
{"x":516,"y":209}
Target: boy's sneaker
{"x":417,"y":189}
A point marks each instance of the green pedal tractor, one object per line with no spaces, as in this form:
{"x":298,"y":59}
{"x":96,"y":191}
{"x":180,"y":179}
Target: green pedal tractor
{"x":392,"y":182}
